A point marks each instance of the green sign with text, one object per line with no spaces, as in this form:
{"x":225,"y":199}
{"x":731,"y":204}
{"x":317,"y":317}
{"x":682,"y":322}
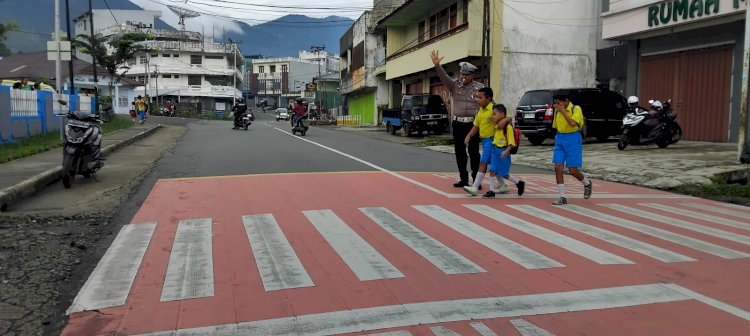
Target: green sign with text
{"x":684,"y":10}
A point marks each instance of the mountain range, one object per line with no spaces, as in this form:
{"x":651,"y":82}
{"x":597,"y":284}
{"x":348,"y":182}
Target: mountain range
{"x":282,"y":37}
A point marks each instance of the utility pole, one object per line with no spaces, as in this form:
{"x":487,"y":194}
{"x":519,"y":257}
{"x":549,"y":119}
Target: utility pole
{"x":317,"y":50}
{"x":70,"y":63}
{"x":58,"y":80}
{"x":156,"y":73}
{"x":234,"y":74}
{"x":93,"y":58}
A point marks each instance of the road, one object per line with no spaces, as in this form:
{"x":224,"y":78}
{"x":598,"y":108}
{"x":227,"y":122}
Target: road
{"x":260,"y":232}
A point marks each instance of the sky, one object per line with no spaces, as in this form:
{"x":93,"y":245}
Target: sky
{"x":217,"y":13}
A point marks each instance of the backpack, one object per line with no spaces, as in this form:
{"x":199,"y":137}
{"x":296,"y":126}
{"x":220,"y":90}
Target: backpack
{"x":516,"y":138}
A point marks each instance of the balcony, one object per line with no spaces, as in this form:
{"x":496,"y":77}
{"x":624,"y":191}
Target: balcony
{"x":456,"y":45}
{"x":223,"y":48}
{"x":159,"y":34}
{"x":214,"y":91}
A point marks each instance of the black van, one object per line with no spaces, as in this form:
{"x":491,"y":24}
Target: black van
{"x":603,"y":111}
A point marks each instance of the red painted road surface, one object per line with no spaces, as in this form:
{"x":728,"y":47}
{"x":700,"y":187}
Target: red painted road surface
{"x":239,"y":295}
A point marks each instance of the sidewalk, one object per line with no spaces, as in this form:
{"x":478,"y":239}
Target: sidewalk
{"x":687,"y":162}
{"x":26,"y":176}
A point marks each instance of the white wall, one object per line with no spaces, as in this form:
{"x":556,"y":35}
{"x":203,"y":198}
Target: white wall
{"x":547,"y":46}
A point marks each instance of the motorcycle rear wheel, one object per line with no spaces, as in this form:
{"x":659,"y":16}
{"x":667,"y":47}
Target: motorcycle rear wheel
{"x":676,"y":131}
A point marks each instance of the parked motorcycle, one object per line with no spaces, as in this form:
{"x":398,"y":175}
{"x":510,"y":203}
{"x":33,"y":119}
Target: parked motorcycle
{"x":656,"y":126}
{"x":166,"y":112}
{"x":301,"y":126}
{"x":81,"y":152}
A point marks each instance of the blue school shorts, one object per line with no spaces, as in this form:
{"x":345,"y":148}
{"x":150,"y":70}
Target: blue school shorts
{"x":500,"y":165}
{"x":568,"y":150}
{"x":487,"y":148}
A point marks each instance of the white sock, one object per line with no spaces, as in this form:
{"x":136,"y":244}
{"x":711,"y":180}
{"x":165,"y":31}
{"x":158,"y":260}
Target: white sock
{"x":513,"y":179}
{"x":493,"y":183}
{"x":561,"y":188}
{"x":478,"y":180}
{"x":586,"y":181}
{"x":500,"y":181}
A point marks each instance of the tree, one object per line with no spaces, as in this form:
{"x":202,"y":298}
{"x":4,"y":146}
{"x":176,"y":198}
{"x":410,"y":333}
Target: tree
{"x":5,"y":28}
{"x":123,"y":48}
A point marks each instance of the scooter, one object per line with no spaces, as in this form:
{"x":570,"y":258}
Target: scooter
{"x":246,"y":119}
{"x":301,"y":126}
{"x":83,"y":138}
{"x":657,"y":126}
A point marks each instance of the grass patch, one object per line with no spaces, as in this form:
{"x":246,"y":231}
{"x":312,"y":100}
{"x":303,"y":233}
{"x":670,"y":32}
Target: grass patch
{"x":718,"y":190}
{"x":44,"y":142}
{"x":436,"y":141}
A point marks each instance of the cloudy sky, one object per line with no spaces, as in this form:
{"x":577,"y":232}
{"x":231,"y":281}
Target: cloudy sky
{"x":218,"y":13}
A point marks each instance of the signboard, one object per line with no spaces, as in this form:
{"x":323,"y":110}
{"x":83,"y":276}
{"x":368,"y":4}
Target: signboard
{"x":64,"y":50}
{"x":311,"y":87}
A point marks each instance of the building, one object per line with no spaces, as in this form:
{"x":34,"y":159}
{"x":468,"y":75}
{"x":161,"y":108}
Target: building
{"x":104,"y":18}
{"x":330,"y":63}
{"x":687,"y":51}
{"x":518,"y":46}
{"x":184,"y":66}
{"x":363,"y":83}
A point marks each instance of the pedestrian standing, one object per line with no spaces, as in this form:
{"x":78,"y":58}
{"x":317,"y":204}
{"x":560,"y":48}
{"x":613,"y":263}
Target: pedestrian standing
{"x":140,"y":106}
{"x":484,"y":125}
{"x":464,"y":107}
{"x":133,"y":112}
{"x":568,"y":121}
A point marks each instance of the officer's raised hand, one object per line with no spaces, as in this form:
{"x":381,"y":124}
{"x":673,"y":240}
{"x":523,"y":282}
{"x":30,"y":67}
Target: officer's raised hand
{"x":436,"y":59}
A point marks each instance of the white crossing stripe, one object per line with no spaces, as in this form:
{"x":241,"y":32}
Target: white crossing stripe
{"x":413,"y":314}
{"x":697,"y":215}
{"x":735,"y":206}
{"x":278,"y":265}
{"x":443,"y":331}
{"x":482,"y":329}
{"x":361,"y":257}
{"x":392,"y":333}
{"x":652,"y":251}
{"x":443,"y":257}
{"x":722,"y":210}
{"x":190,"y":273}
{"x":582,"y":249}
{"x":527,"y":328}
{"x":682,"y":224}
{"x":110,"y":283}
{"x":676,"y":238}
{"x":520,"y":254}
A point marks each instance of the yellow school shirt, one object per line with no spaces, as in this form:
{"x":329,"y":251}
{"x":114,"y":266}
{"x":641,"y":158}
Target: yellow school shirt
{"x":561,"y":124}
{"x":500,"y":139}
{"x":483,"y":120}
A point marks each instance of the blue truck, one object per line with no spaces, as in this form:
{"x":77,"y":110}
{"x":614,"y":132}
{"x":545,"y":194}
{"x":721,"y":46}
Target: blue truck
{"x":418,"y":114}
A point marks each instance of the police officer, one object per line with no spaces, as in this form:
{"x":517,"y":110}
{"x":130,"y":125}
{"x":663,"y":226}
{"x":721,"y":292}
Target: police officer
{"x":239,"y":109}
{"x":464,"y":108}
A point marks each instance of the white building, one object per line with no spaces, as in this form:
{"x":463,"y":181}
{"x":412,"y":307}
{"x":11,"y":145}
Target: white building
{"x":279,"y":81}
{"x":330,"y":63}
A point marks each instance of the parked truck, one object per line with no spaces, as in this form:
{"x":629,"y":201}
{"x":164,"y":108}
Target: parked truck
{"x":418,"y":114}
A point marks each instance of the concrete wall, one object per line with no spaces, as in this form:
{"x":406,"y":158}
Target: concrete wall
{"x":103,"y":19}
{"x":32,"y":115}
{"x":554,"y":52}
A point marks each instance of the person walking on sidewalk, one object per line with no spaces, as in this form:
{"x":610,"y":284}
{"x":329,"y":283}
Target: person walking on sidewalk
{"x":140,"y":106}
{"x":568,"y":121}
{"x":464,"y":106}
{"x":484,"y":125}
{"x":133,"y":112}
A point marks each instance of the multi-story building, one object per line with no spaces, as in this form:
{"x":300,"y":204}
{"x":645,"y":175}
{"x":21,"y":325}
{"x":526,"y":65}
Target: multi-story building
{"x":518,"y":46}
{"x":687,"y":51}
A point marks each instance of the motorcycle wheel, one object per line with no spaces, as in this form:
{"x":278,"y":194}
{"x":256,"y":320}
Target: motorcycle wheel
{"x":663,"y":143}
{"x":302,"y":133}
{"x":676,"y":134}
{"x":69,"y":170}
{"x":624,"y":141}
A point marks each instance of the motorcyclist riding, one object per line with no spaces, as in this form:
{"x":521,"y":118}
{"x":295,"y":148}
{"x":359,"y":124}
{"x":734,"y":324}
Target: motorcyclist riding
{"x":299,"y":111}
{"x":239,"y":109}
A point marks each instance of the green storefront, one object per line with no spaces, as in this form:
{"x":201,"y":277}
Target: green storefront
{"x":364,"y":105}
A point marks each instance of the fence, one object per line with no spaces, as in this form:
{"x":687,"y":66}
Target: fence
{"x":25,"y":113}
{"x":349,"y":120}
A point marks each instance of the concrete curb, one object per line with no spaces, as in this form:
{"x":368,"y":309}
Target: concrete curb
{"x":36,"y":183}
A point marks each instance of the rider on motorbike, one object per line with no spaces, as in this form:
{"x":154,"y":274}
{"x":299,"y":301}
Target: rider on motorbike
{"x":633,"y":104}
{"x":239,"y":109}
{"x":299,"y":112}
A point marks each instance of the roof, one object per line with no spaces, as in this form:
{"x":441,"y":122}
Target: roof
{"x":412,"y":11}
{"x":36,"y":65}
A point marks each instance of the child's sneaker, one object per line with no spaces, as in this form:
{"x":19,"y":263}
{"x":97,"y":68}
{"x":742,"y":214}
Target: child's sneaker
{"x":501,"y":190}
{"x":561,"y":201}
{"x":471,"y":190}
{"x":489,"y":194}
{"x":521,"y":185}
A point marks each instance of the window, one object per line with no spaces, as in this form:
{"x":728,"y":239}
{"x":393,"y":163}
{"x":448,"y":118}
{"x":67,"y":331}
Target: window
{"x":142,"y":79}
{"x":143,"y":59}
{"x":122,"y":102}
{"x":465,"y":10}
{"x":175,"y":55}
{"x":272,"y":68}
{"x":176,"y":76}
{"x":194,"y":80}
{"x":261,"y":69}
{"x":605,"y":6}
{"x":217,"y":80}
{"x":154,"y":55}
{"x":433,"y":26}
{"x":131,"y":61}
{"x":453,"y":15}
{"x":421,"y":31}
{"x":166,"y":76}
{"x":284,"y":68}
{"x":164,"y":55}
{"x":214,"y":57}
{"x":442,"y":21}
{"x":196,"y":59}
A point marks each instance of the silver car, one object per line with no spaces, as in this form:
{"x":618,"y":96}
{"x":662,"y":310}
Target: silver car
{"x":282,"y":113}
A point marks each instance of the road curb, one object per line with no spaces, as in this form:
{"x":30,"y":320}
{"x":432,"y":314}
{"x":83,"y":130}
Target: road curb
{"x":36,"y":183}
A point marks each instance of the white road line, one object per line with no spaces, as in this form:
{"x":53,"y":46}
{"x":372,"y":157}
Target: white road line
{"x":361,"y":257}
{"x":443,"y":257}
{"x":719,"y":210}
{"x":190,"y":273}
{"x":110,"y":283}
{"x":727,"y":308}
{"x":392,"y":333}
{"x":580,"y":248}
{"x":682,"y":224}
{"x":516,"y":252}
{"x":407,"y":315}
{"x":526,"y":328}
{"x":652,"y":251}
{"x":676,"y":238}
{"x":482,"y":329}
{"x":278,"y":264}
{"x":443,"y":331}
{"x":697,"y":215}
{"x":735,"y":206}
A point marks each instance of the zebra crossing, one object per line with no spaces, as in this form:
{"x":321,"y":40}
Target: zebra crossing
{"x":647,"y":229}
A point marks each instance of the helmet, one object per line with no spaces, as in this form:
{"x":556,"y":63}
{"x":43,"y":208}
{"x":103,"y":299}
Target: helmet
{"x":299,"y":101}
{"x":632,"y":100}
{"x":656,"y":105}
{"x":240,"y":100}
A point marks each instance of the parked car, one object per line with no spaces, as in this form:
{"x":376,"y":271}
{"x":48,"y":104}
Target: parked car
{"x":417,"y":114}
{"x":282,"y":113}
{"x":603,"y":111}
